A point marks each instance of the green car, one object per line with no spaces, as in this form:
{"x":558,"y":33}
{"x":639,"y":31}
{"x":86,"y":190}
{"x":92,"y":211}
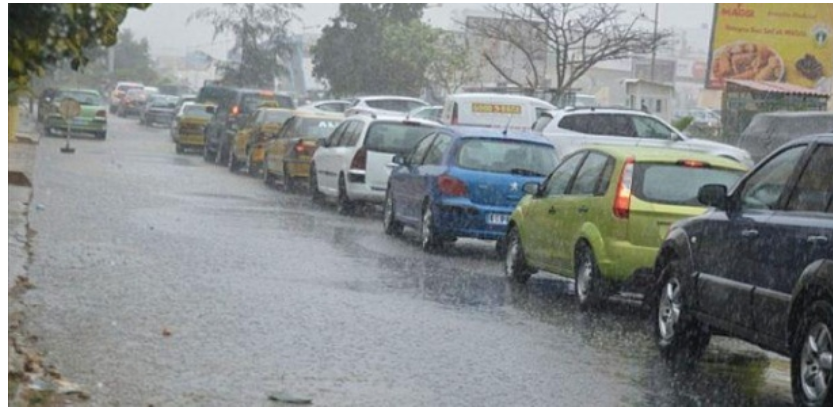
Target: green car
{"x":602,"y":214}
{"x":92,"y":120}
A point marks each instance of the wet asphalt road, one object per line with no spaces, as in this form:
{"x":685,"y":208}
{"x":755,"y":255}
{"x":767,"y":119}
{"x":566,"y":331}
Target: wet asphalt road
{"x":264,"y":292}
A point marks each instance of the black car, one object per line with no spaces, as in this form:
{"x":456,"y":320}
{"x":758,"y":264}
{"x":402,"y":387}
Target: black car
{"x":233,"y":106}
{"x":759,"y":267}
{"x":160,"y":109}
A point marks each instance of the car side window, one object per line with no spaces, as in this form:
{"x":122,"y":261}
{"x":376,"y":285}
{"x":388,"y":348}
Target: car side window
{"x":813,"y":189}
{"x":354,"y":134}
{"x":647,"y":127}
{"x":589,"y":175}
{"x":560,"y":178}
{"x":612,"y":125}
{"x":763,"y":189}
{"x":349,"y":131}
{"x":577,"y":123}
{"x":336,"y":135}
{"x":437,"y":150}
{"x":418,"y":154}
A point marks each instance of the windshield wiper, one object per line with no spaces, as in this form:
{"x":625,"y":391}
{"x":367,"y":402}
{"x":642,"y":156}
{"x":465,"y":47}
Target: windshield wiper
{"x":524,"y":171}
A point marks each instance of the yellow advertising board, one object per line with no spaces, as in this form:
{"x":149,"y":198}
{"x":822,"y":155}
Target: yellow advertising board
{"x":782,"y":42}
{"x":487,"y":108}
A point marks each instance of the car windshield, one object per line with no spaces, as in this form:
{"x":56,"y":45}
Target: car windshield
{"x":678,"y":184}
{"x":395,"y":137}
{"x":84,"y":98}
{"x":506,"y":156}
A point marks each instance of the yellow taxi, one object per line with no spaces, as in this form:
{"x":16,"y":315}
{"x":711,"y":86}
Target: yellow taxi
{"x":288,"y":155}
{"x":189,"y":124}
{"x":247,"y":147}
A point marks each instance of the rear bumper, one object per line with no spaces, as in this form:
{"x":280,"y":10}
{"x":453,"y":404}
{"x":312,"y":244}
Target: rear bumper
{"x":462,"y":218}
{"x":622,"y":261}
{"x":298,"y":167}
{"x":191,"y":139}
{"x":91,"y":126}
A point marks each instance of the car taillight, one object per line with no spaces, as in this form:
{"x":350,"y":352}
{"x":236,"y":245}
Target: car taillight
{"x":693,"y":164}
{"x":101,"y":114}
{"x":300,"y":149}
{"x":359,"y":160}
{"x":235,"y":110}
{"x":451,"y":186}
{"x":622,"y":202}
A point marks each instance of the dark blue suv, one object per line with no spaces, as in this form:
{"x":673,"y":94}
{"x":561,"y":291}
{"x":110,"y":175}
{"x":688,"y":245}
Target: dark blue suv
{"x":758,"y":266}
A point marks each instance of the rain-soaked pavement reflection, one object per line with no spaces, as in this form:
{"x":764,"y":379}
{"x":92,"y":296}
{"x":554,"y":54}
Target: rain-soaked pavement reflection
{"x":266,"y":291}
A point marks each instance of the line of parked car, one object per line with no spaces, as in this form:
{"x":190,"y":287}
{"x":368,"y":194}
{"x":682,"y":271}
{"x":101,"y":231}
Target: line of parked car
{"x":616,"y":199}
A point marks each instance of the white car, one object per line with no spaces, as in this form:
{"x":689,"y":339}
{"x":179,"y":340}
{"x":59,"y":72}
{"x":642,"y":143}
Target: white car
{"x":353,"y":164}
{"x":327,"y":106}
{"x":383,"y":105}
{"x":574,"y":128}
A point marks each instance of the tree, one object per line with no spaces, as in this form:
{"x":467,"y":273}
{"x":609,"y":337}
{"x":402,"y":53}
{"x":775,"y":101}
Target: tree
{"x":452,"y":65}
{"x":132,"y":61}
{"x":575,"y":37}
{"x":43,"y":34}
{"x":374,"y":49}
{"x":261,"y":39}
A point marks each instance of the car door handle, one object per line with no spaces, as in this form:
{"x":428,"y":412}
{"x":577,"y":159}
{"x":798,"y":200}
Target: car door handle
{"x":817,"y":240}
{"x":552,"y":210}
{"x":583,"y":209}
{"x":749,"y":234}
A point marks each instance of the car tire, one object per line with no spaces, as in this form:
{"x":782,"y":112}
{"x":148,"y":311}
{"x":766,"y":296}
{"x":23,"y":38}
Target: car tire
{"x":344,"y":205}
{"x":268,"y":178}
{"x":392,"y":226}
{"x":427,"y":230}
{"x":811,"y":357}
{"x":289,"y":184}
{"x":315,"y":192}
{"x":233,"y":164}
{"x":514,"y":262}
{"x":587,"y":278}
{"x":679,"y":336}
{"x":207,"y":155}
{"x":101,"y":135}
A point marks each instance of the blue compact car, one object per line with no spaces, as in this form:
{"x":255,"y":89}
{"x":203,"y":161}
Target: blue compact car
{"x":464,"y":182}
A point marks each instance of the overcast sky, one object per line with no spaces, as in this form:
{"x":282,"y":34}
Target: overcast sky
{"x":166,"y":28}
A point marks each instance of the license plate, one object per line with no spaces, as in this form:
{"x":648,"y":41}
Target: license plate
{"x":500,"y":219}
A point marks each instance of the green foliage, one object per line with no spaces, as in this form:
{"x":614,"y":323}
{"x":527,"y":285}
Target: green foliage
{"x":452,"y":65}
{"x":43,"y":34}
{"x":683,"y":123}
{"x":375,"y":49}
{"x":261,"y":37}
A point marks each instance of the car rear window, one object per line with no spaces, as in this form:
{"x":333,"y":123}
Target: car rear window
{"x":399,"y":105}
{"x":676,"y":183}
{"x":196,"y":111}
{"x":506,"y":156}
{"x":83,"y":98}
{"x":395,"y":137}
{"x":315,"y":127}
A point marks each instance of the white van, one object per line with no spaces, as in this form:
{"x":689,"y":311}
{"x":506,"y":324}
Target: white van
{"x":493,"y":110}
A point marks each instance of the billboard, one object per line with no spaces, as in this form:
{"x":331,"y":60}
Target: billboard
{"x":780,"y":42}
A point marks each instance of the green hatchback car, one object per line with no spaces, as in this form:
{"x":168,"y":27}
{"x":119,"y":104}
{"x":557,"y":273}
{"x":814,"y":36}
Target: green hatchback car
{"x":92,"y":120}
{"x":602,"y":214}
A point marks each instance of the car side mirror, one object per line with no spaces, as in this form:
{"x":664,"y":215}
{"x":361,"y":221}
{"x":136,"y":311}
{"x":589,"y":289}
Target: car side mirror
{"x":210,"y":110}
{"x":713,"y":195}
{"x":398,"y":159}
{"x":531,"y":188}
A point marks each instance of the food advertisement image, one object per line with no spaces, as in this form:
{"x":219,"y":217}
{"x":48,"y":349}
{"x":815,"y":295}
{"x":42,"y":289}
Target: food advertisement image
{"x":772,"y":42}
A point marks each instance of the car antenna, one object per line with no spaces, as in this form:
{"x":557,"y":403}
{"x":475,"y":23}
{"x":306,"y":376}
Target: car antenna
{"x":506,"y":128}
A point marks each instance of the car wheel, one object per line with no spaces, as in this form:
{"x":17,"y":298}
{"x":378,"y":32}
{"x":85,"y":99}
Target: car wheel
{"x":207,"y":155}
{"x":588,"y":278}
{"x":428,"y":237}
{"x":268,"y":178}
{"x":679,"y":336}
{"x":500,"y":247}
{"x":101,"y":135}
{"x":514,"y":263}
{"x":288,"y":181}
{"x":315,"y":192}
{"x":812,"y":357}
{"x":233,"y":164}
{"x":392,"y":226}
{"x":344,"y":206}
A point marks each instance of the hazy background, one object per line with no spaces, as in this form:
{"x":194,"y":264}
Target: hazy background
{"x":168,"y":32}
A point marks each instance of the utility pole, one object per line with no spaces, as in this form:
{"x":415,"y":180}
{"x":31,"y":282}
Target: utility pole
{"x":654,"y":46}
